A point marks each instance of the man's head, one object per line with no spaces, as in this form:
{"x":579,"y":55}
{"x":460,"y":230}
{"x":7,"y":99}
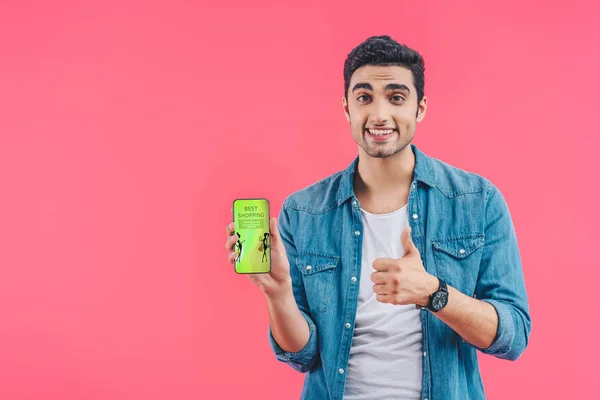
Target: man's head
{"x":383,"y":88}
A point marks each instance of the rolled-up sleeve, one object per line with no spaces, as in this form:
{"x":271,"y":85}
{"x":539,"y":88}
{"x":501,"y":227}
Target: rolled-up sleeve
{"x":304,"y":359}
{"x":501,"y":282}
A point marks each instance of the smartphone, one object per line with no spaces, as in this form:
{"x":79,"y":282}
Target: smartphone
{"x":253,"y":247}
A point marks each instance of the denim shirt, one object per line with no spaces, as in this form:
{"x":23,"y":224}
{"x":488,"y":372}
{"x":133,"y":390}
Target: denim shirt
{"x":463,"y":230}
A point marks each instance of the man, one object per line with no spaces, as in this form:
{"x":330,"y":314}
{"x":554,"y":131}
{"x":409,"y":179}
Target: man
{"x":387,"y":277}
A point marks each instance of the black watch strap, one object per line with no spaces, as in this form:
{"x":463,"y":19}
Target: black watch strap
{"x":443,"y":288}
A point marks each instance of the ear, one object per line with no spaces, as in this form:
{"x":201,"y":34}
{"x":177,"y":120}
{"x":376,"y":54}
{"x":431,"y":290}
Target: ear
{"x":345,"y":106}
{"x":422,"y":109}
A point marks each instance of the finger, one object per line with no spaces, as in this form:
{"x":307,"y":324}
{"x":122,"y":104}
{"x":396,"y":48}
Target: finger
{"x":383,"y":298}
{"x":380,"y":288}
{"x":231,"y":257}
{"x":275,"y":237}
{"x":230,"y":242}
{"x":407,"y":243}
{"x":383,"y":264}
{"x":379,"y":277}
{"x":230,"y":229}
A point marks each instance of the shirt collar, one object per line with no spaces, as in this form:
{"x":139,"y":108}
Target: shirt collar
{"x":424,"y":172}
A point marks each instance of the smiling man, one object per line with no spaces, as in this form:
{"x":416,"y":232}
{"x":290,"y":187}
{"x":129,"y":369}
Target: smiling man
{"x":389,"y":276}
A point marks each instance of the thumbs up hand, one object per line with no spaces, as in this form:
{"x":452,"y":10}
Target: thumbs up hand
{"x":405,"y":280}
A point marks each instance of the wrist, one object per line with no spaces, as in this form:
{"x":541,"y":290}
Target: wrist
{"x":432,"y":285}
{"x":280,"y":293}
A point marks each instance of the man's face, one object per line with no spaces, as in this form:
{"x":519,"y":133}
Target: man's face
{"x":383,"y":97}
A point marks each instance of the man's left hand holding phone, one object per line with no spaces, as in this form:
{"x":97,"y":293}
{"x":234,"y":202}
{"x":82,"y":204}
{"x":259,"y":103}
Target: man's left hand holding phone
{"x":256,"y":249}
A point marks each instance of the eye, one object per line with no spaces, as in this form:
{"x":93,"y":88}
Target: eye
{"x":362,"y":95}
{"x":399,"y":97}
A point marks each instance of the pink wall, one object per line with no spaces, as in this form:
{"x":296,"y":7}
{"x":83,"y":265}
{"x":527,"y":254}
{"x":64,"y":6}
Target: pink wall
{"x":121,"y":125}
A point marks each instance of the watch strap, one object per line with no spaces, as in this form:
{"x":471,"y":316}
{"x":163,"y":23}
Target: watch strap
{"x":442,"y":288}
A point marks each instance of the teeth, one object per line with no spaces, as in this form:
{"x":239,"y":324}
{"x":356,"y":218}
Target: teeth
{"x":380,"y":132}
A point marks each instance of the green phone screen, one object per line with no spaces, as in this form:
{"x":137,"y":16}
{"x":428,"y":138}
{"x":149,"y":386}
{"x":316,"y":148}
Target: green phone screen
{"x":253,"y":247}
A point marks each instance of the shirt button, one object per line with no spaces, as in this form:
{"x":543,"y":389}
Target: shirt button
{"x":415,"y":216}
{"x":357,"y":233}
{"x":354,"y":202}
{"x":341,"y":370}
{"x":462,"y":251}
{"x":309,"y":267}
{"x":347,"y":325}
{"x":424,"y":354}
{"x":353,"y":279}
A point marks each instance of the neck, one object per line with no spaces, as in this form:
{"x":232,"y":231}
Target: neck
{"x":384,"y":176}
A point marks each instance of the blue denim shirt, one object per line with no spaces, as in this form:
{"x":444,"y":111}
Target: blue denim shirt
{"x":463,"y":229}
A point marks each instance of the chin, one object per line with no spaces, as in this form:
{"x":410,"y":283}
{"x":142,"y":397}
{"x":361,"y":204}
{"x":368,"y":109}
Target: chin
{"x":380,"y":154}
{"x":383,"y":152}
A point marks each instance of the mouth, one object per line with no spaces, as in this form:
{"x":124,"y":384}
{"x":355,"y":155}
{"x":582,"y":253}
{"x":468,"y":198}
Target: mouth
{"x":380,"y":135}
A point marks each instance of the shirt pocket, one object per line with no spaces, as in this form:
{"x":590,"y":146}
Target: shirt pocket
{"x":457,"y":261}
{"x":317,"y":274}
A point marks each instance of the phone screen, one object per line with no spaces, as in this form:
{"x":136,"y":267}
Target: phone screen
{"x":253,"y":247}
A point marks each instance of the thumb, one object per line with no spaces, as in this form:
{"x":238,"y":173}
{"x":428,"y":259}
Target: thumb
{"x":275,"y":236}
{"x":407,"y":243}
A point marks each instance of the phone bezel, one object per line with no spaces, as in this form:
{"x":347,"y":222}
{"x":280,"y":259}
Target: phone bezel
{"x":269,"y":227}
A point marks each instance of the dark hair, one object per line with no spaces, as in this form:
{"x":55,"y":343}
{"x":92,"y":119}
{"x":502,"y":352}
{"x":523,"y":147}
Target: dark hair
{"x":383,"y":50}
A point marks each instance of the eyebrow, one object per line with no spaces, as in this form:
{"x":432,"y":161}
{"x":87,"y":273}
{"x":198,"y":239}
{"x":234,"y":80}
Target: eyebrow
{"x":389,"y":86}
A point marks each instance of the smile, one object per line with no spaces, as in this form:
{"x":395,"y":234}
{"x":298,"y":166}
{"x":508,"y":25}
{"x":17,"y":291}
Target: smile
{"x":380,"y":133}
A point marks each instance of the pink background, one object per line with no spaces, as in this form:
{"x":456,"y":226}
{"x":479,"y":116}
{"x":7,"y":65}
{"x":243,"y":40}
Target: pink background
{"x":123,"y":124}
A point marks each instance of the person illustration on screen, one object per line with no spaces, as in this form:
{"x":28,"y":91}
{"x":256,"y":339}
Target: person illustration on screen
{"x":265,"y":245}
{"x":390,"y":276}
{"x":239,"y":247}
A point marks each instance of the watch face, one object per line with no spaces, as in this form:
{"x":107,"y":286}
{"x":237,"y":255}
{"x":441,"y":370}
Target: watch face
{"x":439,"y":300}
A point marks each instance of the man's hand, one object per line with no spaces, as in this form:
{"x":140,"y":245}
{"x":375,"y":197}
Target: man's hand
{"x":403,"y":281}
{"x":276,"y":283}
{"x":289,"y":327}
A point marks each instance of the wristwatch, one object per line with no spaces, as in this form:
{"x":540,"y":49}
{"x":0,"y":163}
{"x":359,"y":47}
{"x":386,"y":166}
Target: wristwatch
{"x":439,"y":298}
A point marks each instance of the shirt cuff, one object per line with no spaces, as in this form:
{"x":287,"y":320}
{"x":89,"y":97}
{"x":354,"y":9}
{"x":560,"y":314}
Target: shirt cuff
{"x":506,"y":330}
{"x":301,"y":360}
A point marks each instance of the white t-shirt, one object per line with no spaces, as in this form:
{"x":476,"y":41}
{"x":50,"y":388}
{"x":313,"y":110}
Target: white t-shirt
{"x":386,"y":355}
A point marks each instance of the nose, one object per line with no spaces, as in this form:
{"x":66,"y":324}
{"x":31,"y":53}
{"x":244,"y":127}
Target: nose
{"x":380,"y":112}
